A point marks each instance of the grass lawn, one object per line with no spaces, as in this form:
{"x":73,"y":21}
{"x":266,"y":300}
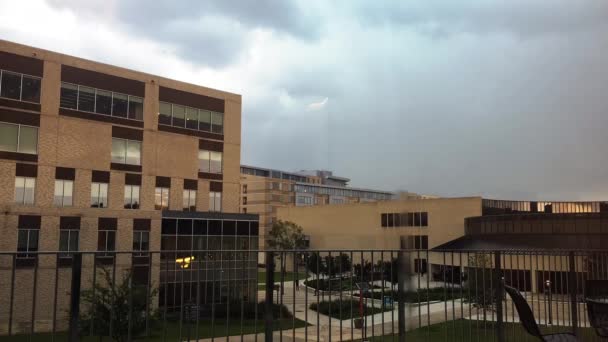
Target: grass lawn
{"x":289,"y":276}
{"x":467,"y":331}
{"x":172,"y":331}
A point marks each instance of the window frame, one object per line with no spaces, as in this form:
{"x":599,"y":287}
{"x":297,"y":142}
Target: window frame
{"x":63,"y":205}
{"x":22,"y":200}
{"x":199,"y":113}
{"x":126,"y":149}
{"x":21,"y":75}
{"x":213,"y":196}
{"x":68,"y":253}
{"x":131,"y":204}
{"x":27,"y":253}
{"x":106,"y":234}
{"x":208,"y":161}
{"x":95,"y":90}
{"x":17,"y":149}
{"x":162,"y":192}
{"x":99,"y":184}
{"x":191,"y":200}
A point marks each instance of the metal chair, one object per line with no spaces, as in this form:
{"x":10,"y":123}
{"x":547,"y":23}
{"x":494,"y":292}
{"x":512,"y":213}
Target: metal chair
{"x":526,"y":316}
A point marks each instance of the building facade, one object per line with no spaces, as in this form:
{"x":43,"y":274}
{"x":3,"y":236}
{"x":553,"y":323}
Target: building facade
{"x":264,"y":191}
{"x":95,"y":157}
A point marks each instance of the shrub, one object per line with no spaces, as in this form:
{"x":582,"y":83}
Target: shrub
{"x":345,"y":307}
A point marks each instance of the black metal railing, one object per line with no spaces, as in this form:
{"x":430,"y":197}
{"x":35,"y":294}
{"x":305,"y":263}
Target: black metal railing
{"x":339,"y":295}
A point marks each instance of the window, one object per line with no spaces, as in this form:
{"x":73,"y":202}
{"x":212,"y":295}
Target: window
{"x":99,"y":101}
{"x":244,"y":200}
{"x":191,"y":118}
{"x":126,"y":151}
{"x":19,"y":87}
{"x":245,"y":188}
{"x":27,"y":241}
{"x":63,"y":193}
{"x":106,"y":241}
{"x":161,"y":198}
{"x":420,"y":266}
{"x":99,"y":195}
{"x":18,"y":138}
{"x":24,"y":190}
{"x":141,"y":241}
{"x":68,"y":242}
{"x":131,"y":196}
{"x":304,"y":200}
{"x":215,"y":201}
{"x":210,"y":161}
{"x":189,"y":200}
{"x":419,"y":241}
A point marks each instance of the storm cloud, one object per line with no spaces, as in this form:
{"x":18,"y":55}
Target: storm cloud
{"x":494,"y":98}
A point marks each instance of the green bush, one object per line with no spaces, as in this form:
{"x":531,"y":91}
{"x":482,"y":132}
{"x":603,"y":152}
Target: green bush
{"x":234,"y":309}
{"x":345,"y":307}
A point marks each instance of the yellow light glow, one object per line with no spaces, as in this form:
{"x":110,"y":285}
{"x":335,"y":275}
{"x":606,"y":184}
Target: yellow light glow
{"x":185,"y":262}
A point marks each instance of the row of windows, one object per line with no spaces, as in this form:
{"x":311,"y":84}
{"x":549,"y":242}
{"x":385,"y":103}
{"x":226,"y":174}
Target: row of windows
{"x":500,"y":207}
{"x":18,"y":138}
{"x":99,"y":101}
{"x":323,"y":190}
{"x":415,"y":219}
{"x":192,"y":118}
{"x":25,"y":188}
{"x":418,"y":242}
{"x":27,"y":241}
{"x":19,"y":87}
{"x":304,"y":200}
{"x":273,"y":174}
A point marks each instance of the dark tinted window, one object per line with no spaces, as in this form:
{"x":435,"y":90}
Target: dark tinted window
{"x":31,"y":89}
{"x":119,"y":105}
{"x":86,"y":99}
{"x":229,"y":227}
{"x":104,"y":102}
{"x":384,"y":220}
{"x":169,"y":226}
{"x":136,"y":108}
{"x":184,"y":227}
{"x":11,"y":85}
{"x":215,"y":227}
{"x":424,"y":219}
{"x":200,"y":227}
{"x":68,"y":96}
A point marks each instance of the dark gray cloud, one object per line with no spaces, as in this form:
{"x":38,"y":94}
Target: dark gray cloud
{"x":495,"y":98}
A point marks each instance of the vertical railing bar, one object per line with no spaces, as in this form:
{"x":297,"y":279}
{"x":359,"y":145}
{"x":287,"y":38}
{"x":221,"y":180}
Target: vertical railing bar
{"x":268,"y":302}
{"x":572,"y":279}
{"x":461,"y":283}
{"x":382,"y":291}
{"x":148,"y":288}
{"x":307,"y":258}
{"x":428,"y":302}
{"x":361,"y":304}
{"x":393,"y":298}
{"x":547,"y":274}
{"x":483,"y":292}
{"x":11,"y":299}
{"x":452,"y":293}
{"x":296,"y":278}
{"x":113,"y":293}
{"x":499,"y":314}
{"x":469,"y":270}
{"x":400,"y":293}
{"x":340,"y":292}
{"x":130,"y":303}
{"x":318,"y":292}
{"x":256,"y":255}
{"x":445,"y":296}
{"x":492,"y":298}
{"x":75,"y":297}
{"x":94,"y":294}
{"x":55,"y":289}
{"x":35,"y":278}
{"x":181,"y":300}
{"x":228,"y":292}
{"x":166,"y":293}
{"x":245,"y":283}
{"x":372,"y":293}
{"x":352,"y":265}
{"x":418,"y":263}
{"x":330,"y":266}
{"x":214,"y":269}
{"x":281,"y":289}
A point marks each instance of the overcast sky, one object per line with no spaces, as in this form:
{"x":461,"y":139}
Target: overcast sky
{"x":497,"y":98}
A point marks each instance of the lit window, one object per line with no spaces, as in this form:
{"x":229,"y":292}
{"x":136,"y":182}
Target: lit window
{"x":189,"y":200}
{"x":161,"y":198}
{"x":126,"y":151}
{"x":215,"y":201}
{"x":24,"y":190}
{"x":99,"y":195}
{"x":18,"y":138}
{"x":27,"y":241}
{"x":63,"y":193}
{"x":131,"y":196}
{"x":210,"y":161}
{"x":68,"y":241}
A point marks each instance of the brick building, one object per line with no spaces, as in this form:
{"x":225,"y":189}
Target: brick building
{"x":95,"y":157}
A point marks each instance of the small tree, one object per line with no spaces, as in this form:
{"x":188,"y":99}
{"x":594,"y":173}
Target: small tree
{"x":479,"y":281}
{"x":315,"y":264}
{"x":107,"y":305}
{"x":345,"y":263}
{"x":286,"y":235}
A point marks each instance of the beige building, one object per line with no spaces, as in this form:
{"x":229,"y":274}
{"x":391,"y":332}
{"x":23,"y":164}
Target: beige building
{"x":95,"y":157}
{"x":264,"y":191}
